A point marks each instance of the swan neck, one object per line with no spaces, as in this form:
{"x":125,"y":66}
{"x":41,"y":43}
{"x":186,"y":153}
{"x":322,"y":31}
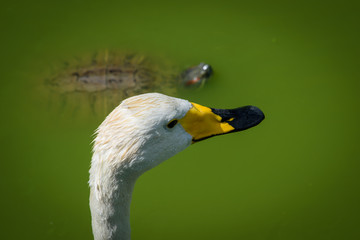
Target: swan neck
{"x":110,"y":211}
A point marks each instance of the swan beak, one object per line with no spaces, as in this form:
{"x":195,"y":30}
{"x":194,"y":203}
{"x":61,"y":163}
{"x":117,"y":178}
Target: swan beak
{"x":203,"y":122}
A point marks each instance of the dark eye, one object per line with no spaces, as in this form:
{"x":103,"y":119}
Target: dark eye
{"x":172,"y":123}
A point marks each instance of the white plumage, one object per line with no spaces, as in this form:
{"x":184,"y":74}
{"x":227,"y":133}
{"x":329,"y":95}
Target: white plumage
{"x":135,"y":137}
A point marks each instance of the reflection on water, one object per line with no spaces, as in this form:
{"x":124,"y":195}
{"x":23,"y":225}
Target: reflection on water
{"x":196,"y":76}
{"x":99,"y":82}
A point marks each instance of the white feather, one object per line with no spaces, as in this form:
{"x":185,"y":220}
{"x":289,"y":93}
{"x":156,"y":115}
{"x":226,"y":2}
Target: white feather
{"x":132,"y":139}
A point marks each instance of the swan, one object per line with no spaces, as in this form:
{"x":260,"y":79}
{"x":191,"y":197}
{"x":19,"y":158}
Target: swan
{"x":139,"y":134}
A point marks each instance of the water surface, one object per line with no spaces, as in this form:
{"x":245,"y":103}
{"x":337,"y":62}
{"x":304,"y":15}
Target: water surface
{"x":295,"y":176}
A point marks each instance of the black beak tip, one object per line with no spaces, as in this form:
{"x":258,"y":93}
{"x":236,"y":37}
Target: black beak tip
{"x":247,"y":117}
{"x":241,"y":118}
{"x":256,"y":114}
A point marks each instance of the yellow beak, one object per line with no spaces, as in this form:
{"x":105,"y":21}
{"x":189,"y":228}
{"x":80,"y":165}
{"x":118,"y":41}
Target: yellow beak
{"x":203,"y":122}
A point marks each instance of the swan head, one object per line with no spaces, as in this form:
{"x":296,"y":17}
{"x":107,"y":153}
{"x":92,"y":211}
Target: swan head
{"x":139,"y":134}
{"x":147,"y":129}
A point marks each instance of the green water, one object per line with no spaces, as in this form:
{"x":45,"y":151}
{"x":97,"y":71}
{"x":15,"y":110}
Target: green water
{"x":295,"y":176}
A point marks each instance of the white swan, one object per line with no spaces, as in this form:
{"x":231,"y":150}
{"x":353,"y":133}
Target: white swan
{"x":139,"y":134}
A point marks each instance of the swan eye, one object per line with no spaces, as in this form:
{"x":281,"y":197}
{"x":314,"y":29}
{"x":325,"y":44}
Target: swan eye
{"x":172,"y":123}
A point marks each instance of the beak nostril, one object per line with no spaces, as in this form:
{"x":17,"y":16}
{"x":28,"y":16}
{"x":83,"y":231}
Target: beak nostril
{"x":226,"y":119}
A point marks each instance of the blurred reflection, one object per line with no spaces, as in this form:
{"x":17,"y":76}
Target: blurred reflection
{"x":102,"y":80}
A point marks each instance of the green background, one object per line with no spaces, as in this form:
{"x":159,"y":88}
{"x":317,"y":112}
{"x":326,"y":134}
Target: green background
{"x":295,"y":176}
